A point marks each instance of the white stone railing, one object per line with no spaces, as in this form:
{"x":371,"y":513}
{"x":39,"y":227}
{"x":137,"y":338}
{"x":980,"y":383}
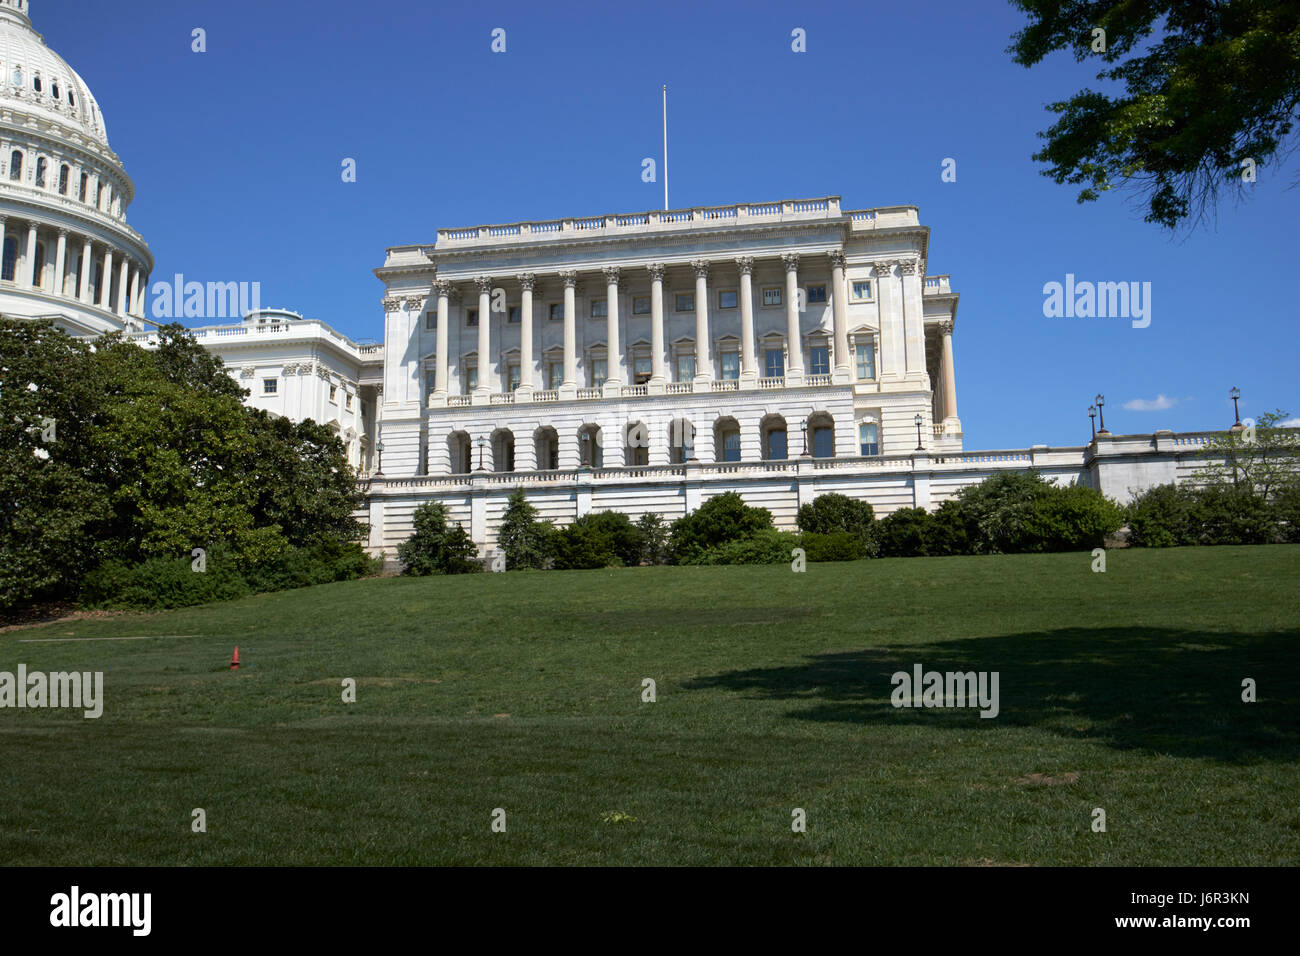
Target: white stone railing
{"x":550,"y":395}
{"x":502,"y":398}
{"x":459,"y":401}
{"x":635,"y":390}
{"x":817,"y":380}
{"x":724,"y":385}
{"x":679,"y":388}
{"x":589,"y":393}
{"x":933,"y":285}
{"x":771,"y":382}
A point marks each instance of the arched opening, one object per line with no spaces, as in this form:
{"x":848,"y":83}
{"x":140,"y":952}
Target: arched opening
{"x":81,"y":191}
{"x":65,"y":173}
{"x":775,"y":438}
{"x":503,"y":450}
{"x":38,"y":273}
{"x":726,"y":439}
{"x":546,"y":442}
{"x":41,"y":166}
{"x":821,"y":435}
{"x":16,"y":165}
{"x":681,"y":441}
{"x":590,"y":452}
{"x":10,"y":266}
{"x":459,"y":453}
{"x":636,"y":445}
{"x":98,"y":284}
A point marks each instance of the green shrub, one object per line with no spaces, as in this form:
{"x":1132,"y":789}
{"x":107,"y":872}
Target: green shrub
{"x":721,"y":519}
{"x":904,"y":533}
{"x":835,"y":546}
{"x":1227,"y":516}
{"x":1162,"y":517}
{"x":434,"y":548}
{"x":998,"y":511}
{"x":323,"y":563}
{"x":1073,"y":518}
{"x":951,"y":530}
{"x":829,"y":513}
{"x":654,"y":538}
{"x":1285,"y":507}
{"x":580,"y":546}
{"x":525,"y":541}
{"x":765,"y":546}
{"x":164,"y":583}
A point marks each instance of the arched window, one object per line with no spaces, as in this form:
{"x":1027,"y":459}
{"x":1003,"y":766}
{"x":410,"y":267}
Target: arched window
{"x":36,"y":83}
{"x":869,"y":438}
{"x":16,"y":165}
{"x":591,"y":453}
{"x":681,"y":441}
{"x":41,"y":165}
{"x":64,"y":173}
{"x":775,"y":443}
{"x":10,"y":266}
{"x":98,"y":284}
{"x":18,"y":76}
{"x":503,"y":450}
{"x":72,"y":100}
{"x":636,"y":445}
{"x":546,"y":442}
{"x":81,"y":193}
{"x":458,"y":450}
{"x":821,"y":435}
{"x":38,"y":274}
{"x":726,"y":439}
{"x":54,"y":89}
{"x":99,"y":196}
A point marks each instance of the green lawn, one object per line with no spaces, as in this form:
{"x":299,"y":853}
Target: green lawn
{"x":523,"y":691}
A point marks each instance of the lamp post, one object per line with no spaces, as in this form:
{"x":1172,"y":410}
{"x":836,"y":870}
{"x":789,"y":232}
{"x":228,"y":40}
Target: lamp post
{"x":1101,"y":413}
{"x":380,"y":448}
{"x":1234,"y":395}
{"x":481,"y":443}
{"x":918,"y":420}
{"x":1092,"y":420}
{"x":586,"y":442}
{"x":692,"y":458}
{"x":804,"y":428}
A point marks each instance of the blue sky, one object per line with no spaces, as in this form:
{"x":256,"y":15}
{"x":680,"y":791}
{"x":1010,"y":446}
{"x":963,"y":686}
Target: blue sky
{"x":236,"y":154}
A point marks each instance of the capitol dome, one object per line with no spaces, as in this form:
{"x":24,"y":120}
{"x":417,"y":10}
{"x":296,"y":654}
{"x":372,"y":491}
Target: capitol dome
{"x":68,"y":253}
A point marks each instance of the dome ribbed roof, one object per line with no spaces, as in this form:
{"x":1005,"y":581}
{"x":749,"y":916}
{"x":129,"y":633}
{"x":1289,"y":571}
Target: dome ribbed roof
{"x":26,"y":62}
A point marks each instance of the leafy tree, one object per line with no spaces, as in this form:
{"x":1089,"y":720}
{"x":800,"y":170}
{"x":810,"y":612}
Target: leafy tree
{"x":764,"y":546}
{"x":1263,"y":463}
{"x":722,"y":518}
{"x":654,"y":537}
{"x":1206,"y":85}
{"x":525,"y":541}
{"x":1163,"y":517}
{"x":435,"y":548}
{"x":998,"y":510}
{"x":952,"y":530}
{"x":583,"y":546}
{"x":905,"y":533}
{"x":1073,"y":518}
{"x":829,"y":513}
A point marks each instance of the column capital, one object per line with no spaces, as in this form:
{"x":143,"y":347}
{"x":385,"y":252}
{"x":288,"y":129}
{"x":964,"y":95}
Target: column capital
{"x":946,"y":326}
{"x":791,"y":260}
{"x":484,"y":284}
{"x":527,"y":281}
{"x":656,"y":270}
{"x":411,"y":303}
{"x":612,"y":274}
{"x":882,"y":269}
{"x":442,"y":287}
{"x":392,"y":304}
{"x":63,"y":232}
{"x":570,"y":279}
{"x":908,"y":267}
{"x":837,"y":258}
{"x":745,"y":264}
{"x":701,"y":267}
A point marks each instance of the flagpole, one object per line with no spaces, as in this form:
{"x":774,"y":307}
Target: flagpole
{"x":665,"y":146}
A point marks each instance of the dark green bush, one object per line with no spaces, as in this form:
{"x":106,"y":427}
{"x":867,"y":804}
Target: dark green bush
{"x":525,"y":541}
{"x":434,"y":548}
{"x":580,"y":546}
{"x":951,"y":530}
{"x":1227,"y":516}
{"x":905,"y":533}
{"x":835,"y":546}
{"x":1286,"y":513}
{"x":323,"y":563}
{"x":829,"y":513}
{"x":1162,"y":517}
{"x":654,"y":538}
{"x":1073,"y":518}
{"x":164,"y":583}
{"x":721,"y":519}
{"x":765,"y":546}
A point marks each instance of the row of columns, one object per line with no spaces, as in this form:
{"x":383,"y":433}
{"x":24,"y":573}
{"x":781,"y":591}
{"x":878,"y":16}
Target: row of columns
{"x":131,"y":286}
{"x":612,"y":277}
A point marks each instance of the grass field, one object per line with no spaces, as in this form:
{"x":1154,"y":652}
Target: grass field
{"x":523,"y":691}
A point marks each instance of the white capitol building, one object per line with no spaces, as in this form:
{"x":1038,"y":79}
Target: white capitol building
{"x":634,"y":362}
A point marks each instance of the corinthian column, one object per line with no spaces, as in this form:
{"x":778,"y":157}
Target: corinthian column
{"x":106,"y":283}
{"x":87,"y":254}
{"x":123,"y":277}
{"x":748,"y":355}
{"x":527,"y":369}
{"x":60,"y":262}
{"x":569,"y":389}
{"x":29,"y":264}
{"x":949,"y":379}
{"x":441,"y":362}
{"x":657,"y":377}
{"x":485,"y":384}
{"x":613,"y":354}
{"x":793,"y":338}
{"x":840,"y":317}
{"x":703,"y":362}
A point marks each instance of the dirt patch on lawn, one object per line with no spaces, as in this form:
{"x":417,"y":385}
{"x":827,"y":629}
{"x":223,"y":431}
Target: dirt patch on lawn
{"x":1043,"y":780}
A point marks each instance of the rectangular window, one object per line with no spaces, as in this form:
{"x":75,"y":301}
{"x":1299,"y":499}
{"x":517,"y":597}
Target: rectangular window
{"x":819,"y":360}
{"x":862,"y":289}
{"x":512,"y":376}
{"x":641,"y":370}
{"x":731,"y":365}
{"x":515,"y":314}
{"x":270,"y":386}
{"x":684,"y":302}
{"x":865,"y":354}
{"x":430,"y":382}
{"x":640,"y":305}
{"x":471,"y":318}
{"x":731,"y":446}
{"x":599,"y":309}
{"x":554,"y":375}
{"x":685,"y":368}
{"x":823,"y":442}
{"x":430,"y":321}
{"x":726,"y":298}
{"x":599,"y":372}
{"x":557,"y":311}
{"x":869,"y":438}
{"x":347,"y":402}
{"x":772,"y":295}
{"x":471,"y":378}
{"x":817,"y":293}
{"x":334,"y":395}
{"x":773,"y":363}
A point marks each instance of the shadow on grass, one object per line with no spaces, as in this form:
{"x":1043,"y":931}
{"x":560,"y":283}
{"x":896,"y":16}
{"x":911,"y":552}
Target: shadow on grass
{"x":1172,"y":691}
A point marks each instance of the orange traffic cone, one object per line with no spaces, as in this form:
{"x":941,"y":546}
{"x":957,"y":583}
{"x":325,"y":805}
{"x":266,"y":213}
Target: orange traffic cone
{"x":234,"y":664}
